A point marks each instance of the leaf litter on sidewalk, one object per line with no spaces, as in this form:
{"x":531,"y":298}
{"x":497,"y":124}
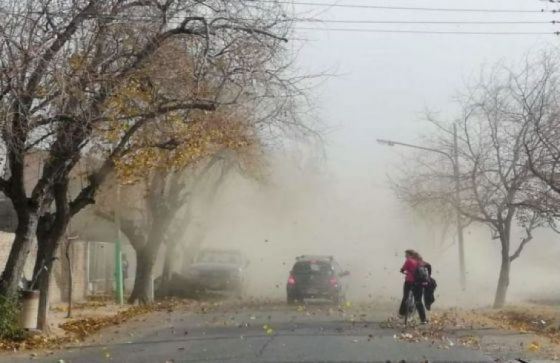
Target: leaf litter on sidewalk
{"x":76,"y":330}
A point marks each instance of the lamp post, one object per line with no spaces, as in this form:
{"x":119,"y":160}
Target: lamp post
{"x":454,"y":158}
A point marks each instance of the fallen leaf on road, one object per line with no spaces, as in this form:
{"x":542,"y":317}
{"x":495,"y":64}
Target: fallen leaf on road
{"x":469,"y":341}
{"x":534,"y":347}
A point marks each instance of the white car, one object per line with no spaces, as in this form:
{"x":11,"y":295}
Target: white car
{"x":218,"y":270}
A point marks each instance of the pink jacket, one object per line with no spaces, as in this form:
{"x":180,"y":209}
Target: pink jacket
{"x":409,"y":268}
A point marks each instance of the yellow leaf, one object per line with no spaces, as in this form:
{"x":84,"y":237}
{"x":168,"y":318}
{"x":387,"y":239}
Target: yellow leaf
{"x":534,"y":346}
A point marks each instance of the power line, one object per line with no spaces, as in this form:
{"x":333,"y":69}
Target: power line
{"x":365,"y":30}
{"x":347,"y":21}
{"x":335,"y":21}
{"x":424,"y":22}
{"x":357,"y":30}
{"x":360,"y":6}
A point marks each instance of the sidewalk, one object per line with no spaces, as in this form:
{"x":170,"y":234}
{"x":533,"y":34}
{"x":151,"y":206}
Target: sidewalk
{"x":87,"y":319}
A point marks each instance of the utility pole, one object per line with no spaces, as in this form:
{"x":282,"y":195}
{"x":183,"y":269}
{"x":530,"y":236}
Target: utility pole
{"x":460,"y":239}
{"x":118,"y":252}
{"x":456,"y":176}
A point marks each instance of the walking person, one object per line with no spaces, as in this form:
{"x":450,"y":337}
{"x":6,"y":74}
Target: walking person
{"x":408,"y":269}
{"x":415,"y":271}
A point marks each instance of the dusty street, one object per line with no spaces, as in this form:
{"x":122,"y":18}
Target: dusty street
{"x":274,"y":332}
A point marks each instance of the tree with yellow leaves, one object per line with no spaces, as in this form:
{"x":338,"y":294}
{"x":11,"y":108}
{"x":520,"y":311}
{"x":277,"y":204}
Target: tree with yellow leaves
{"x":156,"y":184}
{"x":89,"y":76}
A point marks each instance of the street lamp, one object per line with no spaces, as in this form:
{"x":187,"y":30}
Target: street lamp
{"x":455,"y":162}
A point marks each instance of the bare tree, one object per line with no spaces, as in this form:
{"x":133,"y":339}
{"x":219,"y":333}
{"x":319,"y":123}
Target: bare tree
{"x":542,"y":137}
{"x":497,"y":187}
{"x":89,"y":74}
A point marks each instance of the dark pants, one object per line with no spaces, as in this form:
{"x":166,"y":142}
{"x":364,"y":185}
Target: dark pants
{"x":417,"y":292}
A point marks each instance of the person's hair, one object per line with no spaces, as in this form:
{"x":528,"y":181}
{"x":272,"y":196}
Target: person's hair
{"x":415,"y":255}
{"x":410,"y":253}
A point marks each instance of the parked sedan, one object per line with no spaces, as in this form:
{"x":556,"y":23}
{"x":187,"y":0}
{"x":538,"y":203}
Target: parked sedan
{"x":219,"y":271}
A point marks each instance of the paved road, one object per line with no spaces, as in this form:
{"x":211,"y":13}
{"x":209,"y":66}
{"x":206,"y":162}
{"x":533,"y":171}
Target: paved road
{"x":260,"y":333}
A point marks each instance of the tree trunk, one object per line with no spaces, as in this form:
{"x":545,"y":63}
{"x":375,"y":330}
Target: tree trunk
{"x":503,"y":280}
{"x":503,"y":283}
{"x":171,"y":241}
{"x":21,"y":247}
{"x":49,"y":234}
{"x":170,"y":250}
{"x":43,"y":284}
{"x":48,"y":249}
{"x":145,"y":261}
{"x":146,"y":256}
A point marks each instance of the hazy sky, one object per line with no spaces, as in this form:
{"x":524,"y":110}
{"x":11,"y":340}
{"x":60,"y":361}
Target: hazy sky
{"x":385,"y":81}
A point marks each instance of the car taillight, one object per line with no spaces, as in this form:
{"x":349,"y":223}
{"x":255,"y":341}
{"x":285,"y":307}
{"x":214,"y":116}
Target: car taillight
{"x":333,"y":281}
{"x":291,"y":280}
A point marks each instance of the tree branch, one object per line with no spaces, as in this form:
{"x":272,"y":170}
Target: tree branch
{"x":524,"y":241}
{"x":60,"y":41}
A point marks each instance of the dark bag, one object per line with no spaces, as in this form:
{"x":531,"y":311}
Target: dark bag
{"x":429,"y":293}
{"x":422,"y":274}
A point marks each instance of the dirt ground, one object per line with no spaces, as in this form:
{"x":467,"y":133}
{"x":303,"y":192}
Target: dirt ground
{"x":530,"y":328}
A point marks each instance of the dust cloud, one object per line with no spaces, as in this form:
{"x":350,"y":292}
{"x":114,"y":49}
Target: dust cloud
{"x":306,"y":208}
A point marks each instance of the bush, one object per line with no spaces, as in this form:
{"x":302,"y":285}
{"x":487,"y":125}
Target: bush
{"x":9,"y":318}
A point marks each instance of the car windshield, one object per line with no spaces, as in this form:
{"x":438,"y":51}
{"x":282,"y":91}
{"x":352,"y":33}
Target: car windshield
{"x":219,"y":257}
{"x":313,"y":267}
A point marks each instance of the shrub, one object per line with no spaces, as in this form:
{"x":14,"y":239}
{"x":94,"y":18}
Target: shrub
{"x":9,"y":318}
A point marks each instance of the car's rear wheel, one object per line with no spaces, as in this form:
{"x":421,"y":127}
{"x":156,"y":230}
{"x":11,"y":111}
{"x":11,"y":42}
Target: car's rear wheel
{"x":239,"y":291}
{"x":292,"y":299}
